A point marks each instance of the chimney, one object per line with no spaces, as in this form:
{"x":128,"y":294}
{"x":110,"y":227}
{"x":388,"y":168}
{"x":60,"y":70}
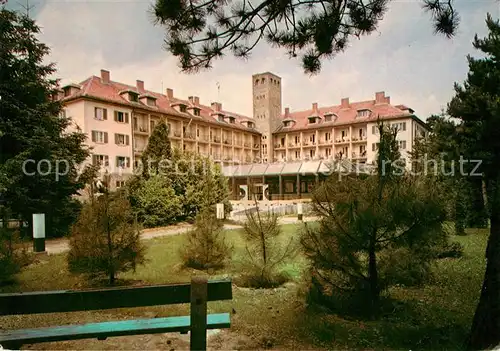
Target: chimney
{"x":196,"y":100}
{"x":105,"y":77}
{"x":287,"y":111}
{"x":380,"y":97}
{"x":344,"y":103}
{"x":191,"y":99}
{"x":216,"y":106}
{"x":170,"y":93}
{"x":315,"y":107}
{"x":140,"y":85}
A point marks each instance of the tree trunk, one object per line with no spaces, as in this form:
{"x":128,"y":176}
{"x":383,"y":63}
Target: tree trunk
{"x":373,"y":279}
{"x":484,"y":189}
{"x":485,"y":330}
{"x":111,"y":267}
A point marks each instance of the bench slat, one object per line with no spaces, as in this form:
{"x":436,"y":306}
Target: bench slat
{"x":109,"y":329}
{"x":100,"y":299}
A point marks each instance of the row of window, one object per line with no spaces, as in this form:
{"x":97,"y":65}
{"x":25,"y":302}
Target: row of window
{"x":399,"y":126}
{"x":102,"y":138}
{"x":401,"y":145}
{"x":101,"y":114}
{"x":263,"y":81}
{"x":103,"y":160}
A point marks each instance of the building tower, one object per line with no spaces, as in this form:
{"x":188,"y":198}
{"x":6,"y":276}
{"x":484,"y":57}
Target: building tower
{"x":267,"y":109}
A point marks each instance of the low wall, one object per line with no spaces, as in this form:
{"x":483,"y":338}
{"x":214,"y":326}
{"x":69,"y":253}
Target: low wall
{"x":281,"y":208}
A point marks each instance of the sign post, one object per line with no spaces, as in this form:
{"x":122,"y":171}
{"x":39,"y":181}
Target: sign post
{"x":220,"y":211}
{"x":39,"y":232}
{"x":300,"y":212}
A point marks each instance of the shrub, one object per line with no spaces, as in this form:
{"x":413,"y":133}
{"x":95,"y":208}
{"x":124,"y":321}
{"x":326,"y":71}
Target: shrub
{"x":105,"y":240}
{"x":265,"y":252}
{"x":449,"y":250}
{"x":157,"y":203}
{"x":404,"y":267}
{"x":206,"y":247}
{"x":13,"y":255}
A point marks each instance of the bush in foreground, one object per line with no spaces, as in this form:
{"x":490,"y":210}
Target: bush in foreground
{"x":206,"y":246}
{"x":13,"y":255}
{"x":265,"y":253}
{"x":105,"y":240}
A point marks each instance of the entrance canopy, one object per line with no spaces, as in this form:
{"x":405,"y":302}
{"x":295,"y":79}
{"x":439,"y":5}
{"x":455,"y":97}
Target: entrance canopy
{"x":323,"y":167}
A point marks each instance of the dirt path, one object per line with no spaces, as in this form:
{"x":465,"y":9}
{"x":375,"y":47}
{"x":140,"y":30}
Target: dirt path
{"x":58,"y":246}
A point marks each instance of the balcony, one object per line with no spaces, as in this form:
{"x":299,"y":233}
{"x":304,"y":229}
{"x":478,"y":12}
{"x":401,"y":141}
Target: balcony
{"x":227,"y":141}
{"x":176,"y":134}
{"x":279,"y":146}
{"x":203,"y":138}
{"x":359,"y":139}
{"x":189,"y":136}
{"x":140,"y":130}
{"x":324,"y":142}
{"x":227,"y":158}
{"x":256,"y":146}
{"x":216,"y":157}
{"x":342,"y":140}
{"x":216,"y":139}
{"x":246,"y":144}
{"x":139,"y":149}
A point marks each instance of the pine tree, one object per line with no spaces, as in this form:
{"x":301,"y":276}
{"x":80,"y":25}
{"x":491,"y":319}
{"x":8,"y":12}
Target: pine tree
{"x":106,"y":238}
{"x":477,"y":105}
{"x":31,"y":130}
{"x":158,"y":153}
{"x":366,"y":221}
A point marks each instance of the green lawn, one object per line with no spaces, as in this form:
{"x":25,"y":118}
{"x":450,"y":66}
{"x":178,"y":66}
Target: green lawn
{"x":434,"y":317}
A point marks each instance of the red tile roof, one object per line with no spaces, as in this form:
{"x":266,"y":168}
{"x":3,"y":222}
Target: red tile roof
{"x":344,"y":115}
{"x":94,"y":87}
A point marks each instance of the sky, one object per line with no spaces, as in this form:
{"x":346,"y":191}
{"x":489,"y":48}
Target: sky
{"x":403,"y":57}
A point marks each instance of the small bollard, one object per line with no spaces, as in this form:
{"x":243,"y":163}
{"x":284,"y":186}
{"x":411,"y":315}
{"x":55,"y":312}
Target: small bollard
{"x":39,"y":232}
{"x":299,"y":211}
{"x":220,"y":211}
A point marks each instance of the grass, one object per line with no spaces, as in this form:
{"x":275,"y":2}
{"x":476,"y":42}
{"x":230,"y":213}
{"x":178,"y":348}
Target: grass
{"x":434,"y":317}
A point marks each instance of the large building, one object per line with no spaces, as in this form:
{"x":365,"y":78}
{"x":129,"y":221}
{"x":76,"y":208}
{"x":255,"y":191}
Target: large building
{"x":119,"y":118}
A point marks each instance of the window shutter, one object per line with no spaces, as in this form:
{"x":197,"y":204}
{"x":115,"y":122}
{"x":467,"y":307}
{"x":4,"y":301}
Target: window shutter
{"x":127,"y":140}
{"x":94,"y":160}
{"x":105,"y":137}
{"x":116,"y":139}
{"x":116,"y":116}
{"x":104,"y":114}
{"x":93,"y":136}
{"x":404,"y":125}
{"x":126,"y":117}
{"x":95,"y":112}
{"x":117,"y":161}
{"x":128,"y":162}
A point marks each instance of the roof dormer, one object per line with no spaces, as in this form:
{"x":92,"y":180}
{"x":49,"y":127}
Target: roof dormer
{"x":130,"y":95}
{"x":71,"y":89}
{"x":179,"y":106}
{"x":194,"y":110}
{"x":330,"y":117}
{"x":288,"y":122}
{"x":148,"y":99}
{"x":314,"y":117}
{"x":248,"y":124}
{"x":231,"y":119}
{"x":364,"y":112}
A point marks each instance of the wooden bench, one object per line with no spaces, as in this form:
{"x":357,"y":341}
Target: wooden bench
{"x":197,"y":293}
